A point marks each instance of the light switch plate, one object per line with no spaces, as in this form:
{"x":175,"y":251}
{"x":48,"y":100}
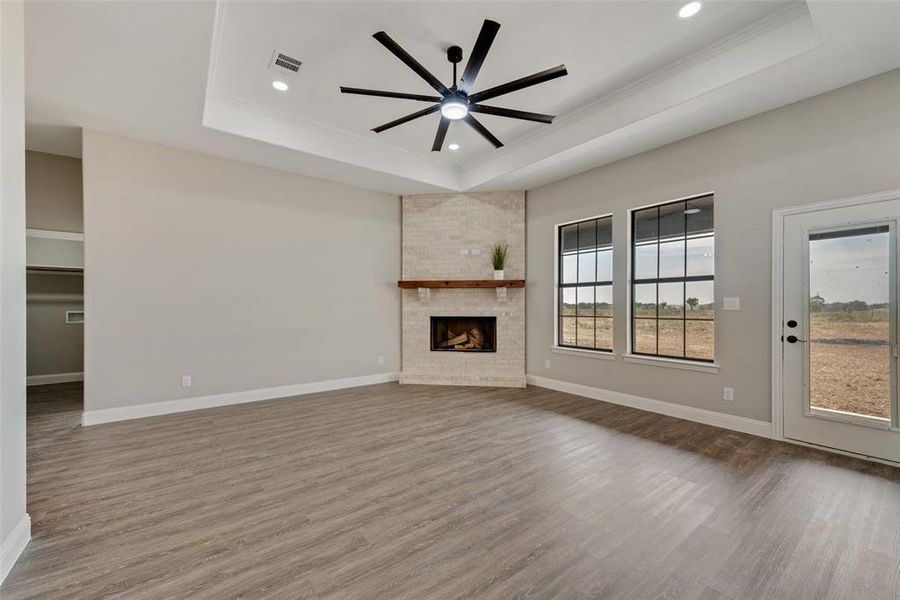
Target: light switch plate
{"x":731,"y":303}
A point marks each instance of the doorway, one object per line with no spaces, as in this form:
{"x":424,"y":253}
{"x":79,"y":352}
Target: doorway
{"x":54,"y":260}
{"x":835,"y":326}
{"x":54,"y":331}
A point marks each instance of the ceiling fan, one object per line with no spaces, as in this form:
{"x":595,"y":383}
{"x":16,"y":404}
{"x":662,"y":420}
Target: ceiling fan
{"x":458,"y":102}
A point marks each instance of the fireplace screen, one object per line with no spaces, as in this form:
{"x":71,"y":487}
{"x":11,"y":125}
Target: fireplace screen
{"x":464,"y":334}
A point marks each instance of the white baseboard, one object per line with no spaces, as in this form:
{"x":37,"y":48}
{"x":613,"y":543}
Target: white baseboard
{"x":11,"y":547}
{"x":53,"y":378}
{"x":689,"y":413}
{"x":153,"y":409}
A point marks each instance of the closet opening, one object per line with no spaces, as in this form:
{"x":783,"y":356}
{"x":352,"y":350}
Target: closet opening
{"x":54,"y":285}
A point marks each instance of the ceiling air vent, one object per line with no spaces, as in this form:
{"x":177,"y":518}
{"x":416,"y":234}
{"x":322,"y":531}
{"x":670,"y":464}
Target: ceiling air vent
{"x":284,"y":63}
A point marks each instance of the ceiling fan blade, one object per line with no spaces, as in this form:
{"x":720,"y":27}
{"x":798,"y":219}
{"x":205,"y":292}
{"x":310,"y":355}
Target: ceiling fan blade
{"x":511,"y":113}
{"x":440,"y":135}
{"x":479,"y":53}
{"x":519,"y":84}
{"x":384,"y":94}
{"x":482,"y":130}
{"x":408,"y":118}
{"x":410,"y":62}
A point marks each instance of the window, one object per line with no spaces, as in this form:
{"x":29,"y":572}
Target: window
{"x":584,"y":287}
{"x":672,"y":273}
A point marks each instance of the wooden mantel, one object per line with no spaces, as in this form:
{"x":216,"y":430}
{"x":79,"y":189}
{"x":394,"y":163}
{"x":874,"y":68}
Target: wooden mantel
{"x":460,"y":283}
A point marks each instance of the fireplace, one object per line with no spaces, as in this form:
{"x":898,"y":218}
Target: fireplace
{"x":464,"y":334}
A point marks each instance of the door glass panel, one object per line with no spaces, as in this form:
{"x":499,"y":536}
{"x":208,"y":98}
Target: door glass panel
{"x":849,"y":321}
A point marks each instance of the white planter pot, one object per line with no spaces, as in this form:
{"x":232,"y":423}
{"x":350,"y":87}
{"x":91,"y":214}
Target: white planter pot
{"x":498,"y":274}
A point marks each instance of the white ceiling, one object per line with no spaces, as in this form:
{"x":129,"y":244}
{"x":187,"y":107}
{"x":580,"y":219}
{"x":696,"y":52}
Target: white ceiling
{"x":602,"y":44}
{"x":195,"y":75}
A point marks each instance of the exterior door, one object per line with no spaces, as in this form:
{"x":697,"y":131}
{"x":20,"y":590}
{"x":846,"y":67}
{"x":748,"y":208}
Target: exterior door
{"x":839,"y":334}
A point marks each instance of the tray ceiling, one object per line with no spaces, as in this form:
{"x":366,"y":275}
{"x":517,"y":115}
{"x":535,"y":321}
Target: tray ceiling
{"x":197,"y":75}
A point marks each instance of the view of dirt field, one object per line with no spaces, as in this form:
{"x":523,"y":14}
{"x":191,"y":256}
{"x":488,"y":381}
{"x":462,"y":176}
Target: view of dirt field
{"x":699,"y":337}
{"x":849,"y":351}
{"x":850,"y":362}
{"x":696,"y":341}
{"x":586,"y":333}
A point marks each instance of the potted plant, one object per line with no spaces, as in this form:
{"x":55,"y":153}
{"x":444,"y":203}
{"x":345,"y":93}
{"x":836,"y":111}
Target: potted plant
{"x":499,"y":255}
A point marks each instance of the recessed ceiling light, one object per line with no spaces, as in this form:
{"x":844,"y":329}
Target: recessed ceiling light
{"x":689,"y":10}
{"x":280,"y":86}
{"x":453,"y":146}
{"x":691,"y":211}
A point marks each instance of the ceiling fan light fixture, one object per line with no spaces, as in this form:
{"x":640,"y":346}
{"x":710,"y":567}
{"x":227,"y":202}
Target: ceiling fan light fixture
{"x":689,"y":10}
{"x":454,"y":109}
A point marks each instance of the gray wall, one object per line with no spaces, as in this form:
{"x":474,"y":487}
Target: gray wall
{"x":240,"y":276}
{"x":53,"y":188}
{"x":12,"y":273}
{"x":54,"y":346}
{"x":839,"y":144}
{"x":53,"y":201}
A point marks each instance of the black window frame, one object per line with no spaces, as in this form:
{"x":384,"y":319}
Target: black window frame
{"x":684,"y":279}
{"x":560,"y":286}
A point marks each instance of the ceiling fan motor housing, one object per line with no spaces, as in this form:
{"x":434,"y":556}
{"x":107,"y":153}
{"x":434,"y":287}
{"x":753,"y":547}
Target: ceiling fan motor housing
{"x":454,"y":54}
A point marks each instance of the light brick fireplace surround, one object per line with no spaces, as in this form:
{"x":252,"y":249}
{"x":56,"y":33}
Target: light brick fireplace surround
{"x":449,"y":236}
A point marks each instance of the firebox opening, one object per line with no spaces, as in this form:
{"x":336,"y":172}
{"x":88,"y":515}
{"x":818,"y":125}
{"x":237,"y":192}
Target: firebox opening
{"x":464,"y":334}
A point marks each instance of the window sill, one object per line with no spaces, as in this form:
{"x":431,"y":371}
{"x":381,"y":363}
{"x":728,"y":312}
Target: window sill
{"x":672,"y":363}
{"x":600,"y":354}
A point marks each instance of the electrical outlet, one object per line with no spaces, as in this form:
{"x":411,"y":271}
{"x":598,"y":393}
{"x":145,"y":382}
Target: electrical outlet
{"x":380,"y":360}
{"x":547,"y":364}
{"x":728,"y":394}
{"x":185,"y":381}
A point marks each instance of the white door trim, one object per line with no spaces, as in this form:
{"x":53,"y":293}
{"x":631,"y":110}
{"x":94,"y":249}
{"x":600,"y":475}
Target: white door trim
{"x":778,"y":216}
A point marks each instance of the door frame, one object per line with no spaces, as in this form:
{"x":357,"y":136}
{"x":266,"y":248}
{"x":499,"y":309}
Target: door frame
{"x":777,"y":346}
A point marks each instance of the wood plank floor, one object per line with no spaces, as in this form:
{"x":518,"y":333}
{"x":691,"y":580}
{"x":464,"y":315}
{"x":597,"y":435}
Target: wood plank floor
{"x":393,"y":491}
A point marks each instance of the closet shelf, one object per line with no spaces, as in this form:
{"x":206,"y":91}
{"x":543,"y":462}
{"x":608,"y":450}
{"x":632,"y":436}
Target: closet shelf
{"x":52,"y":269}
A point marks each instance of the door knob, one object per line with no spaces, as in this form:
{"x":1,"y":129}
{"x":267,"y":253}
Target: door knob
{"x":793,"y":339}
